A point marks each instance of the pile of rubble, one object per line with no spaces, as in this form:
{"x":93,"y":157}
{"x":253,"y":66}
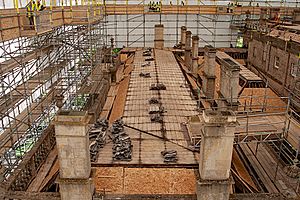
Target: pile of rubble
{"x":149,"y":59}
{"x":122,"y":147}
{"x":97,"y":136}
{"x":145,"y":75}
{"x":147,"y":52}
{"x":169,"y":156}
{"x":145,"y":64}
{"x":156,"y":110}
{"x":154,"y":100}
{"x":156,"y":118}
{"x":178,"y":46}
{"x":157,"y":86}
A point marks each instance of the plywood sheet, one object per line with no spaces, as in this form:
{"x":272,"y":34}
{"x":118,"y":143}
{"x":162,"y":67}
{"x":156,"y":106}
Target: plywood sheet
{"x":241,"y":170}
{"x":117,"y":180}
{"x":262,"y":98}
{"x":118,"y":107}
{"x":159,"y":181}
{"x":109,"y":180}
{"x":53,"y":172}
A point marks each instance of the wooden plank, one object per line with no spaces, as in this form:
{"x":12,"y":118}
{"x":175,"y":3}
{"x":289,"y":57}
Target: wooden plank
{"x":259,"y":169}
{"x":52,"y":173}
{"x":268,"y":162}
{"x":241,"y":170}
{"x":104,"y":114}
{"x":128,"y":70}
{"x":118,"y":107}
{"x":109,"y":103}
{"x":44,"y":170}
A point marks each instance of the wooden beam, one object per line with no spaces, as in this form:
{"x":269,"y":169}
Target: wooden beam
{"x":32,"y":195}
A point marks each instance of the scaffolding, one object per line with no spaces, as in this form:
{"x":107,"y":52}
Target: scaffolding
{"x":42,"y":69}
{"x":131,"y":22}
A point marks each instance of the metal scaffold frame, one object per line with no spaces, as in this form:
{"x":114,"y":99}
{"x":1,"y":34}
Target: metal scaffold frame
{"x":131,"y":22}
{"x":39,"y":75}
{"x":43,"y":69}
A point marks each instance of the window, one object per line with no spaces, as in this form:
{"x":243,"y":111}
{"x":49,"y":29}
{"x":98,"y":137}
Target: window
{"x":276,"y":63}
{"x":294,"y":69}
{"x":254,"y":50}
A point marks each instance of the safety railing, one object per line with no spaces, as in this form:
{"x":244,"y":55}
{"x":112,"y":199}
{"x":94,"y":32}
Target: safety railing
{"x":36,"y":22}
{"x":86,"y":14}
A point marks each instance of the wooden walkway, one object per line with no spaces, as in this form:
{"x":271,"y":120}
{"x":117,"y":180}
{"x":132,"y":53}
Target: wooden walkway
{"x":264,"y":164}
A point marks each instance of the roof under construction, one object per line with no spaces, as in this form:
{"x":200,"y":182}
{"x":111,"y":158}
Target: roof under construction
{"x":121,"y":99}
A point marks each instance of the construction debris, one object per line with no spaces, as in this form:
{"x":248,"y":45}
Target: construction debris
{"x":156,"y":109}
{"x":122,"y":147}
{"x":147,"y":52}
{"x":154,"y":100}
{"x":145,"y":75}
{"x":100,"y":124}
{"x":145,"y":64}
{"x":149,"y":59}
{"x":169,"y":156}
{"x":178,"y":46}
{"x":97,"y":136}
{"x":157,"y":86}
{"x":156,"y":118}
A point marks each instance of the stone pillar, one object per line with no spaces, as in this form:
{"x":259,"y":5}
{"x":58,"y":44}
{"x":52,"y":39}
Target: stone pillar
{"x":195,"y":49}
{"x":209,"y":74}
{"x":217,"y":136}
{"x":107,"y":75}
{"x":296,"y":16}
{"x":72,"y":143}
{"x":113,"y":73}
{"x":183,"y":36}
{"x":188,"y":49}
{"x":229,"y":83}
{"x":159,"y":36}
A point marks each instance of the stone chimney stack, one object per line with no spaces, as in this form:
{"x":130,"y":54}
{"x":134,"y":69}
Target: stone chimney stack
{"x":159,"y":36}
{"x":72,"y":143}
{"x":229,"y":83}
{"x":183,"y":36}
{"x":209,"y":71}
{"x":217,"y":136}
{"x":195,"y":49}
{"x":188,"y":49}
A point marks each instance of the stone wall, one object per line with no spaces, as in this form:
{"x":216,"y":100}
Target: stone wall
{"x":262,"y":53}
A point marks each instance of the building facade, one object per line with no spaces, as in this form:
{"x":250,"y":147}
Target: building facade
{"x":275,"y":58}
